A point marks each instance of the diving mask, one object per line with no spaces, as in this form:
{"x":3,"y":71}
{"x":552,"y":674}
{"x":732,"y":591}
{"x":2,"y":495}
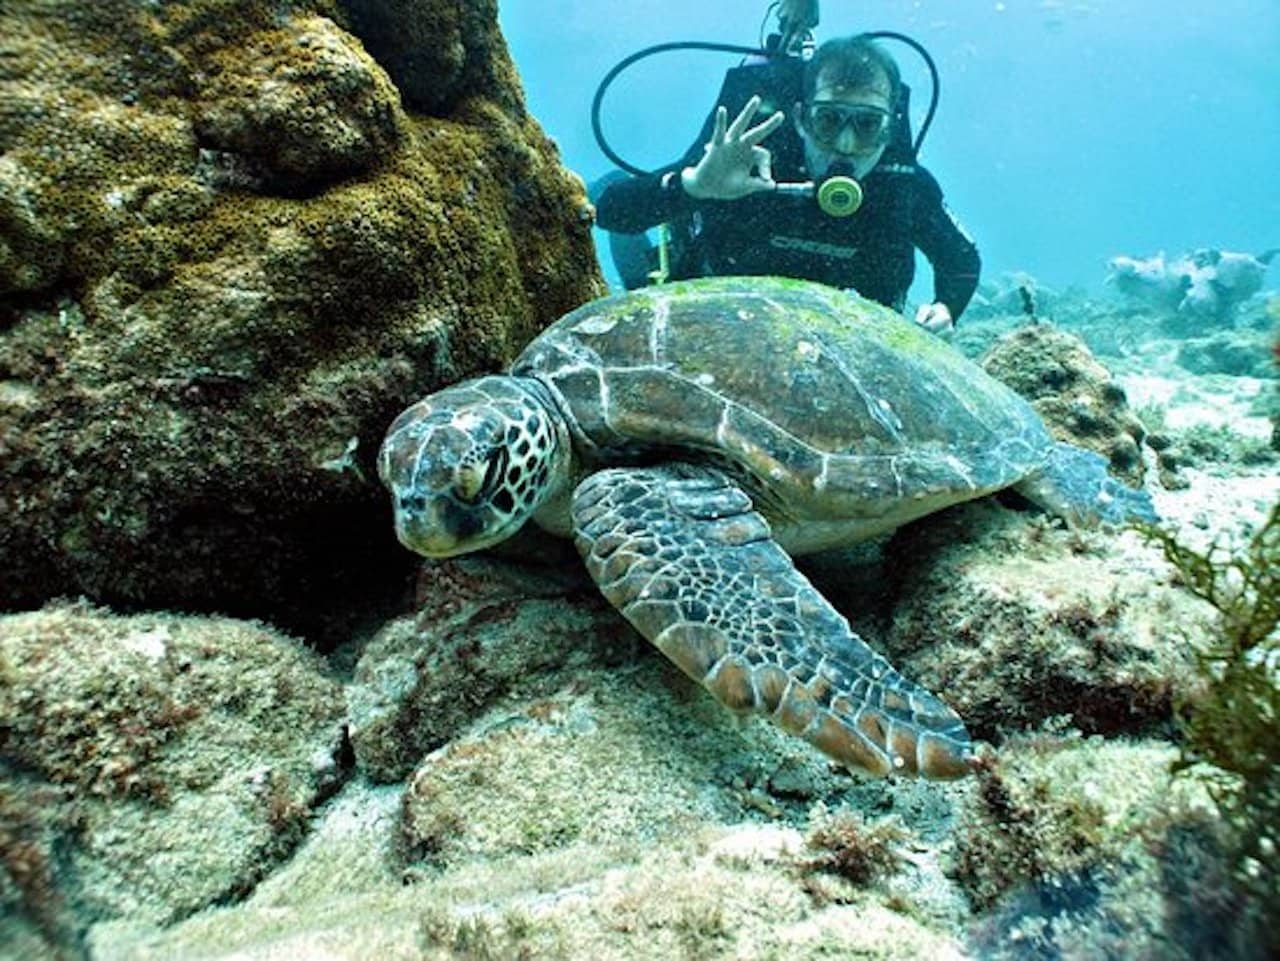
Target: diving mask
{"x":826,"y":120}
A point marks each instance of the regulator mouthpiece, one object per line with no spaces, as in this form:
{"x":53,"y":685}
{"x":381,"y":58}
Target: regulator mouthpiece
{"x":839,"y":196}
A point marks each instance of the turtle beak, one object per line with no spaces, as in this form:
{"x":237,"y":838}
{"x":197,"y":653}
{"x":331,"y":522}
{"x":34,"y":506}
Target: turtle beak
{"x":438,"y":527}
{"x":426,"y":543}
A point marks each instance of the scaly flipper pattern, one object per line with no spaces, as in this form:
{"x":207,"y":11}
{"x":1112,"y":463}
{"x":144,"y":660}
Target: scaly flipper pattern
{"x":681,"y":552}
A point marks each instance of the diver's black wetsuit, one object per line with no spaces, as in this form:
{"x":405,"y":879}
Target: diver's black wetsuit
{"x":872,"y":251}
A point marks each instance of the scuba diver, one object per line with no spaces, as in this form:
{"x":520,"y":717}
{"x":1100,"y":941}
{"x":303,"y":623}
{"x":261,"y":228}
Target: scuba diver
{"x":815,"y":179}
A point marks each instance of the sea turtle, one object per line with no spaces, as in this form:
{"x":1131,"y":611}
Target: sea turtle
{"x":690,"y":437}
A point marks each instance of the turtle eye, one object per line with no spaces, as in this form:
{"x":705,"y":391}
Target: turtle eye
{"x":475,"y":480}
{"x":468,"y":482}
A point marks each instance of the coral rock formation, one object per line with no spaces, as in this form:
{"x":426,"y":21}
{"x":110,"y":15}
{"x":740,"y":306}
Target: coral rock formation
{"x":1074,"y":393}
{"x":311,"y":102}
{"x":1019,"y":622}
{"x":229,"y":256}
{"x":152,"y":765}
{"x":482,"y":629}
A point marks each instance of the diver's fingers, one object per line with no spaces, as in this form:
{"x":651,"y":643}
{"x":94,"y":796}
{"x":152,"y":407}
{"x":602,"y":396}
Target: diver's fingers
{"x":760,"y":131}
{"x":717,"y":134}
{"x":748,"y":114}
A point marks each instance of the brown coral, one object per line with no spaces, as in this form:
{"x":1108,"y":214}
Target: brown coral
{"x":438,"y":53}
{"x":306,"y":101}
{"x":229,"y":258}
{"x":1074,"y":393}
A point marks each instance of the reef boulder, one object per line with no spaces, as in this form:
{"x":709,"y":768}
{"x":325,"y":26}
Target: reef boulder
{"x":482,"y":629}
{"x":153,"y":765}
{"x":1075,"y":394}
{"x":229,"y":256}
{"x":310,"y":102}
{"x":1020,"y":622}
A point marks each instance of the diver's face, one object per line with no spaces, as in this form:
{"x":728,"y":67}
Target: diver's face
{"x":851,"y":124}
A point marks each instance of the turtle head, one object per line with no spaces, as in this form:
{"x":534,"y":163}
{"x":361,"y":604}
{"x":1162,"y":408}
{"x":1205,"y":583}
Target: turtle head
{"x":468,"y":465}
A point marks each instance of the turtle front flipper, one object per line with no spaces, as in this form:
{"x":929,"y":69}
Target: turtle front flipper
{"x":681,"y":553}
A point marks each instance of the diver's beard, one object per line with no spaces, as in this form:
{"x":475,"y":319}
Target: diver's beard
{"x":820,"y":161}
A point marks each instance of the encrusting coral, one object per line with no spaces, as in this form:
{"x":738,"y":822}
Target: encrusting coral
{"x":151,"y":765}
{"x":229,"y":255}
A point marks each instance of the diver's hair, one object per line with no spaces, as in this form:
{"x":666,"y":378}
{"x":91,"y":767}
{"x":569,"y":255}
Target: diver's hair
{"x":855,"y":62}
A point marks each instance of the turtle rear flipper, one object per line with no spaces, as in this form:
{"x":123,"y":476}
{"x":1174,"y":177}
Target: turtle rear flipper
{"x":1075,"y":485}
{"x":680,"y":552}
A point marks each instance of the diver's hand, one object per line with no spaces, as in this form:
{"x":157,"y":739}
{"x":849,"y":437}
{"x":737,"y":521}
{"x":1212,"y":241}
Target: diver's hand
{"x":935,"y":318}
{"x":725,"y":171}
{"x":795,"y":19}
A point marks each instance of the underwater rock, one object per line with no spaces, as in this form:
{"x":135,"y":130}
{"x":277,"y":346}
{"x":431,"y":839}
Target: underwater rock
{"x":709,"y":889}
{"x":481,"y":629}
{"x":1240,"y":353}
{"x":438,"y":51}
{"x":153,"y":765}
{"x":1076,"y":395}
{"x":302,"y":99}
{"x":1078,"y":847}
{"x":1194,"y":290}
{"x":1018,"y":621}
{"x":589,"y":764}
{"x":212,"y":310}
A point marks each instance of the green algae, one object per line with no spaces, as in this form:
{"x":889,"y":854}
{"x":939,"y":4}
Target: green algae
{"x":1232,"y":726}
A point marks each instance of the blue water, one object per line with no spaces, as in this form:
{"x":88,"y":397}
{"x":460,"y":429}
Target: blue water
{"x":1068,"y":131}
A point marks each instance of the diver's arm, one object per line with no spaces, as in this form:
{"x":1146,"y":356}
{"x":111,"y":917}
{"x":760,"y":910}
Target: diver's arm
{"x":951,"y":251}
{"x":728,"y":163}
{"x":634,"y":205}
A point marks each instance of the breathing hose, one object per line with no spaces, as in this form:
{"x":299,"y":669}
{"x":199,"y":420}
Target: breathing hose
{"x":621,"y":65}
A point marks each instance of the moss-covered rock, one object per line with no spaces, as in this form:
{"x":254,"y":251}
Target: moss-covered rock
{"x":438,"y":53}
{"x":1080,"y":848}
{"x":229,"y":258}
{"x":482,"y":629}
{"x":520,"y":784}
{"x":152,"y":765}
{"x":1017,"y":621}
{"x":1075,"y":394}
{"x":311,"y":102}
{"x":726,"y":891}
{"x":622,"y":814}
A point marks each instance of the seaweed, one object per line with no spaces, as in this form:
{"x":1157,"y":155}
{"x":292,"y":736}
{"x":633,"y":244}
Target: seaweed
{"x":1231,"y":728}
{"x":844,"y":845}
